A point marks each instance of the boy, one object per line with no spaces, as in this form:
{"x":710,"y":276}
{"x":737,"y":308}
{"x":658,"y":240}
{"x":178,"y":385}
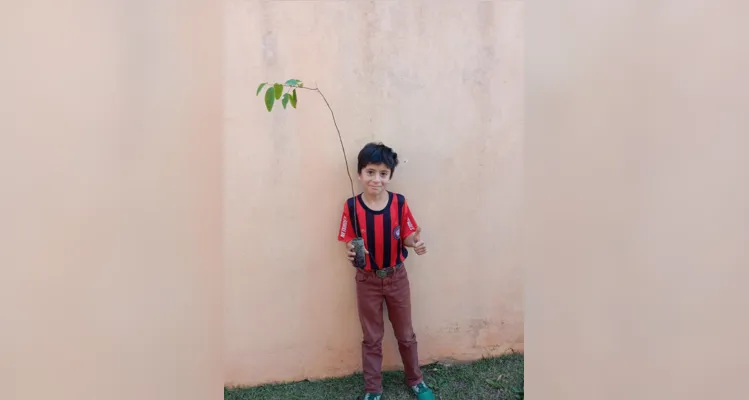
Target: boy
{"x":387,"y":226}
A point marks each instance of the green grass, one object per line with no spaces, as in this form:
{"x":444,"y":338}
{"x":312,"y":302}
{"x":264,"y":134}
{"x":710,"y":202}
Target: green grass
{"x":498,"y":378}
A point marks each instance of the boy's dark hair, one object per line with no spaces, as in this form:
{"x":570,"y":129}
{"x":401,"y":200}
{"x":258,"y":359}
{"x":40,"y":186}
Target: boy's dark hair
{"x":377,"y":153}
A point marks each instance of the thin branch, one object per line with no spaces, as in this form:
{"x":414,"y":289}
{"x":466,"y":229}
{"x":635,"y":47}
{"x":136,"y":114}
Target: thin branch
{"x":345,"y":158}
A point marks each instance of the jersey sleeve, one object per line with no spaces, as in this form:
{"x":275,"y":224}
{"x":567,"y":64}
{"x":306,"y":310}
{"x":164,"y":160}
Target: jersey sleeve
{"x":345,"y":229}
{"x":408,"y":222}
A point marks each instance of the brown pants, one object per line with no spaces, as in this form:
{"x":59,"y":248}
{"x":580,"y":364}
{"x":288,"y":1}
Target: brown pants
{"x":396,"y":292}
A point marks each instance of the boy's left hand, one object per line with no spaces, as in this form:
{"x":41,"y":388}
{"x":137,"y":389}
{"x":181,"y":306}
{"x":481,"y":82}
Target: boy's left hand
{"x":419,"y":247}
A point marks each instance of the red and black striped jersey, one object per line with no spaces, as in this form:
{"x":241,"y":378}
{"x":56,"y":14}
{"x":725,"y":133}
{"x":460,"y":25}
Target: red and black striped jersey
{"x":383,"y":231}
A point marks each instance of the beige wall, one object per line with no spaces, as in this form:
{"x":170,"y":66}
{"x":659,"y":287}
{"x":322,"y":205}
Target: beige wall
{"x":110,"y":202}
{"x":441,"y":82}
{"x":637,"y":172}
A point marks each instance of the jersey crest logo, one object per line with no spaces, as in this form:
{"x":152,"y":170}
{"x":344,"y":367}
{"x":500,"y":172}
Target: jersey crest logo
{"x":397,"y":232}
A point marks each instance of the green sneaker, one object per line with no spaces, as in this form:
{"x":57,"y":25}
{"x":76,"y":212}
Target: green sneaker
{"x":423,"y":392}
{"x":372,"y":396}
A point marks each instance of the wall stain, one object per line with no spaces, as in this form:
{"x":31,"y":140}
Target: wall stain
{"x":269,"y":48}
{"x":487,"y":61}
{"x":368,"y":31}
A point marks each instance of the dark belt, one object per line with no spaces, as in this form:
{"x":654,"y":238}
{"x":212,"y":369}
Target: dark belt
{"x":385,"y":272}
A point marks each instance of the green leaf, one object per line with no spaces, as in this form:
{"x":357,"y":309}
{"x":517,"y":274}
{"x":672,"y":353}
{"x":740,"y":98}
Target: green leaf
{"x":293,"y":98}
{"x":270,"y":98}
{"x":285,"y":100}
{"x":259,"y":88}
{"x":278,"y":90}
{"x":293,"y":82}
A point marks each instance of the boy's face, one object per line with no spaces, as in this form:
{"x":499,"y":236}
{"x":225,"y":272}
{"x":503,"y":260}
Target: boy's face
{"x":374,"y":178}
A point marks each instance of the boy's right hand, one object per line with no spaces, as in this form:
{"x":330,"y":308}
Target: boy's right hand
{"x":351,"y":253}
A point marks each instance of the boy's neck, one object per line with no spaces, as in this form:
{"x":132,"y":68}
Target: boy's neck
{"x":374,"y":199}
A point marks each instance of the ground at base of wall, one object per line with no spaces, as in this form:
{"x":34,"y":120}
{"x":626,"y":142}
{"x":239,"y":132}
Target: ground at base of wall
{"x":499,"y":378}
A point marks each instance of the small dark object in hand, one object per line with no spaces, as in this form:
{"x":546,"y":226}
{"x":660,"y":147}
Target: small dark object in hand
{"x":359,"y":260}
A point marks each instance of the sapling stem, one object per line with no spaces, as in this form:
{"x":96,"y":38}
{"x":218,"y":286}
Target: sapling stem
{"x":270,"y":99}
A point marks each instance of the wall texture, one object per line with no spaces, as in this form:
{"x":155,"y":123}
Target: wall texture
{"x":110,"y":163}
{"x":441,"y":82}
{"x":637,"y":197}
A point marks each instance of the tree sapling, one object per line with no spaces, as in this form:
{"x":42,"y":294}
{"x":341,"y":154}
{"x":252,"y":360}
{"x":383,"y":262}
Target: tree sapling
{"x":287,"y":93}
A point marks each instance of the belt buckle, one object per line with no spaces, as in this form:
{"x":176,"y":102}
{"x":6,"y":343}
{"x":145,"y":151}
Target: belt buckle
{"x":381,"y":273}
